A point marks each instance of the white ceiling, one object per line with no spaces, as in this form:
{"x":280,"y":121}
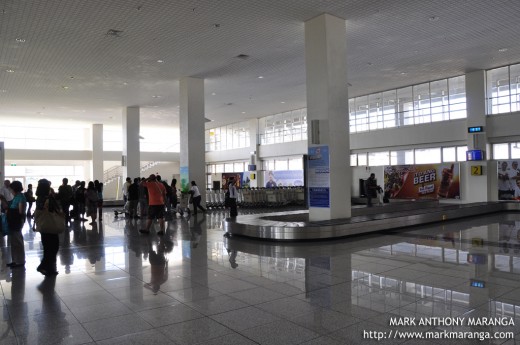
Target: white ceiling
{"x":66,"y":67}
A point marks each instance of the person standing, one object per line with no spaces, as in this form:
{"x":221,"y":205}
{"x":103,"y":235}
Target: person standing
{"x":133,"y":198}
{"x":175,"y":200}
{"x":233,"y":193}
{"x":79,"y":196}
{"x":29,"y":196}
{"x":16,"y":209}
{"x":51,"y":242}
{"x":65,"y":196}
{"x":195,"y":194}
{"x":371,"y":188}
{"x":5,"y":191}
{"x":91,"y":198}
{"x":156,"y":199}
{"x":126,"y":185}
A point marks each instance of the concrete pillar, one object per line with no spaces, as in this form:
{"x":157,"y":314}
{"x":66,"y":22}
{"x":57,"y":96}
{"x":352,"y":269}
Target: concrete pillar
{"x":476,"y":116}
{"x":327,"y":117}
{"x":254,"y":152}
{"x":97,"y":152}
{"x":191,"y":114}
{"x":131,"y":159}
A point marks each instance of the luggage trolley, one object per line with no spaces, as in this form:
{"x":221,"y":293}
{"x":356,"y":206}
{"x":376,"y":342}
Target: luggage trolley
{"x":184,"y":203}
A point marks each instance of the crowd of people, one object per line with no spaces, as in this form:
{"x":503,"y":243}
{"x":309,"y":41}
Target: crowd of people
{"x":67,"y":203}
{"x":147,"y":198}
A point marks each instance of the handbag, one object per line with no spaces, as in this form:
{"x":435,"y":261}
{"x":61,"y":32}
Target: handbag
{"x":49,"y":222}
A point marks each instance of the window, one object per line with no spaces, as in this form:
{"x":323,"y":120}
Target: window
{"x":401,"y":157}
{"x":353,"y":160}
{"x":283,"y":127}
{"x":439,"y":100}
{"x":449,"y":154}
{"x":378,"y":158}
{"x":461,"y":153}
{"x":500,"y":151}
{"x":503,"y":89}
{"x":228,"y":137}
{"x":425,"y":156}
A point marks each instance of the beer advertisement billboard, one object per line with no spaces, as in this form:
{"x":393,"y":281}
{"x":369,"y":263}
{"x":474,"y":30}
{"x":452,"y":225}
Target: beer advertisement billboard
{"x":425,"y":181}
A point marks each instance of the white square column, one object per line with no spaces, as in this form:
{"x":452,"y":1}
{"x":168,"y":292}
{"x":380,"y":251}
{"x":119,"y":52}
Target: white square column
{"x":131,"y":160}
{"x":329,"y":182}
{"x":97,"y":152}
{"x":192,"y":120}
{"x":476,"y":116}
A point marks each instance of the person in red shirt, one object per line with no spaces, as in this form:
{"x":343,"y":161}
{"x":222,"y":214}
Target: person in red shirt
{"x":156,"y":200}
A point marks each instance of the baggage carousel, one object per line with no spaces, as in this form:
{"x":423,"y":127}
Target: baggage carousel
{"x":296,"y":226}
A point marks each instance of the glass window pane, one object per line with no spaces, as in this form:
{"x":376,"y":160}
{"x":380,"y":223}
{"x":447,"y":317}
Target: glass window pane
{"x":457,"y":97}
{"x":280,"y":164}
{"x":378,"y":158}
{"x":449,"y":154}
{"x":426,"y":156}
{"x":228,"y":167}
{"x":353,"y":160}
{"x":401,"y":157}
{"x":515,"y":150}
{"x":389,"y":109}
{"x":500,"y":151}
{"x":498,"y":94}
{"x":514,"y":72}
{"x":362,"y":159}
{"x":461,"y":153}
{"x":238,"y":167}
{"x":405,"y":106}
{"x":296,"y":164}
{"x":421,"y":96}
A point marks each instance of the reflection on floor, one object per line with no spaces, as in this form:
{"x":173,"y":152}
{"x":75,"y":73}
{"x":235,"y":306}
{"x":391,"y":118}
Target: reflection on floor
{"x":194,"y":286}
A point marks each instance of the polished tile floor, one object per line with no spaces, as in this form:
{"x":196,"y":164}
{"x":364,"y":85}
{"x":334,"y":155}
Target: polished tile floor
{"x":193,"y":286}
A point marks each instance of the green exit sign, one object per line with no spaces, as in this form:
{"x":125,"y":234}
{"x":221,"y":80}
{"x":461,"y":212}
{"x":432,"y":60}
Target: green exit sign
{"x":13,"y":164}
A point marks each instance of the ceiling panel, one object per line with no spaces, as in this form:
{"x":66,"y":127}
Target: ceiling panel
{"x":83,"y":61}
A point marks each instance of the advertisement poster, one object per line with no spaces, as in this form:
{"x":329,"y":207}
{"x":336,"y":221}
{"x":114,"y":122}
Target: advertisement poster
{"x":319,"y":176}
{"x":185,"y":179}
{"x":508,"y":180}
{"x":426,"y":181}
{"x":238,"y":177}
{"x":283,"y":178}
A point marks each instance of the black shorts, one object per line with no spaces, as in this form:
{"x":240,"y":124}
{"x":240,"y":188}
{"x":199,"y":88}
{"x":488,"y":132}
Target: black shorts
{"x":155,"y":211}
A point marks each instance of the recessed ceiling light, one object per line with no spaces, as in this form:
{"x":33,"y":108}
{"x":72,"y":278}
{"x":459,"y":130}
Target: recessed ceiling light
{"x":282,"y":102}
{"x":403,"y":73}
{"x":71,"y":77}
{"x":213,"y":94}
{"x":156,"y":96}
{"x":20,"y":40}
{"x":125,"y":83}
{"x":260,"y":77}
{"x":433,"y":18}
{"x":160,"y":61}
{"x":65,"y":87}
{"x":369,"y":63}
{"x":9,"y":70}
{"x":502,"y":50}
{"x":216,"y":25}
{"x":3,"y":91}
{"x":243,"y":112}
